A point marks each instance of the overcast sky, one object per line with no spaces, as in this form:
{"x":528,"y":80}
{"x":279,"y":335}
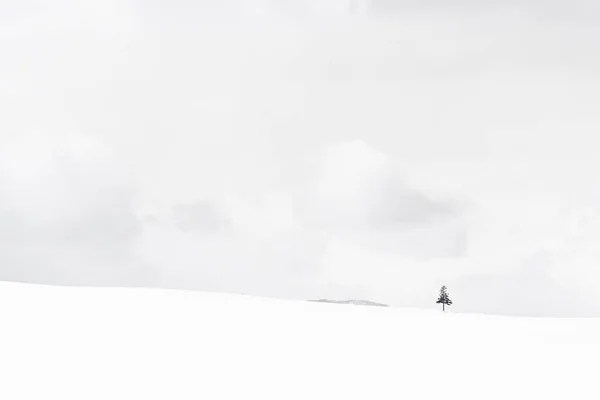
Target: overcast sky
{"x":306,"y":149}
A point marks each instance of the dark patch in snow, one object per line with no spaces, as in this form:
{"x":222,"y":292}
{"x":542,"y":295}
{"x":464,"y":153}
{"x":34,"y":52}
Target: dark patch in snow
{"x":353,"y":302}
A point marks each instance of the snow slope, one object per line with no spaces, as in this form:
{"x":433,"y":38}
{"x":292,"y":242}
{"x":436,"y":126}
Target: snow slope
{"x":92,"y":343}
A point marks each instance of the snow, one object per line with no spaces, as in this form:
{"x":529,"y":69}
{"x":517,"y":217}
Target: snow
{"x":107,"y":343}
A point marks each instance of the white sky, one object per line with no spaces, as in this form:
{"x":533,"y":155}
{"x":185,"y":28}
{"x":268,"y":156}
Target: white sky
{"x":297,"y":149}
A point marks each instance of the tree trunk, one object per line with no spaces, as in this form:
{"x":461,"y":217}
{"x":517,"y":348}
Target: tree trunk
{"x":444,"y":307}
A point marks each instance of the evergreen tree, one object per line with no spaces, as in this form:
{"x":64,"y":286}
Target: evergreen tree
{"x":444,"y":299}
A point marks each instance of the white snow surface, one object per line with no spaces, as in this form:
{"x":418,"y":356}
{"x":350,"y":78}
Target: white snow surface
{"x":123,"y":343}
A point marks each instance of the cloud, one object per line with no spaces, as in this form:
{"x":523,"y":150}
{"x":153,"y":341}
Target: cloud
{"x":361,"y":194}
{"x":551,"y":273}
{"x":202,"y":216}
{"x":69,"y":214}
{"x":65,"y":211}
{"x":526,"y":291}
{"x":246,"y":249}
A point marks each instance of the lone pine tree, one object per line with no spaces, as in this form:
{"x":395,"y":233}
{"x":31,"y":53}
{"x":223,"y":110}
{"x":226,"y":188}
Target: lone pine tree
{"x":444,"y":299}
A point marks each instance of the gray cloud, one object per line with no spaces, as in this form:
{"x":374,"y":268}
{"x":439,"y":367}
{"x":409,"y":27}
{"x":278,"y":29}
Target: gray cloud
{"x":64,"y":220}
{"x":362,"y":195}
{"x":203,"y":216}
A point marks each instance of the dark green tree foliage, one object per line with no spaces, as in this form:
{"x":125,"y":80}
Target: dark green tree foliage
{"x":444,"y":299}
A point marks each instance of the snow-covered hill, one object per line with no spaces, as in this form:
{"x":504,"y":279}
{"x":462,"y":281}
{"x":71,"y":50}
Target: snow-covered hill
{"x":91,"y":343}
